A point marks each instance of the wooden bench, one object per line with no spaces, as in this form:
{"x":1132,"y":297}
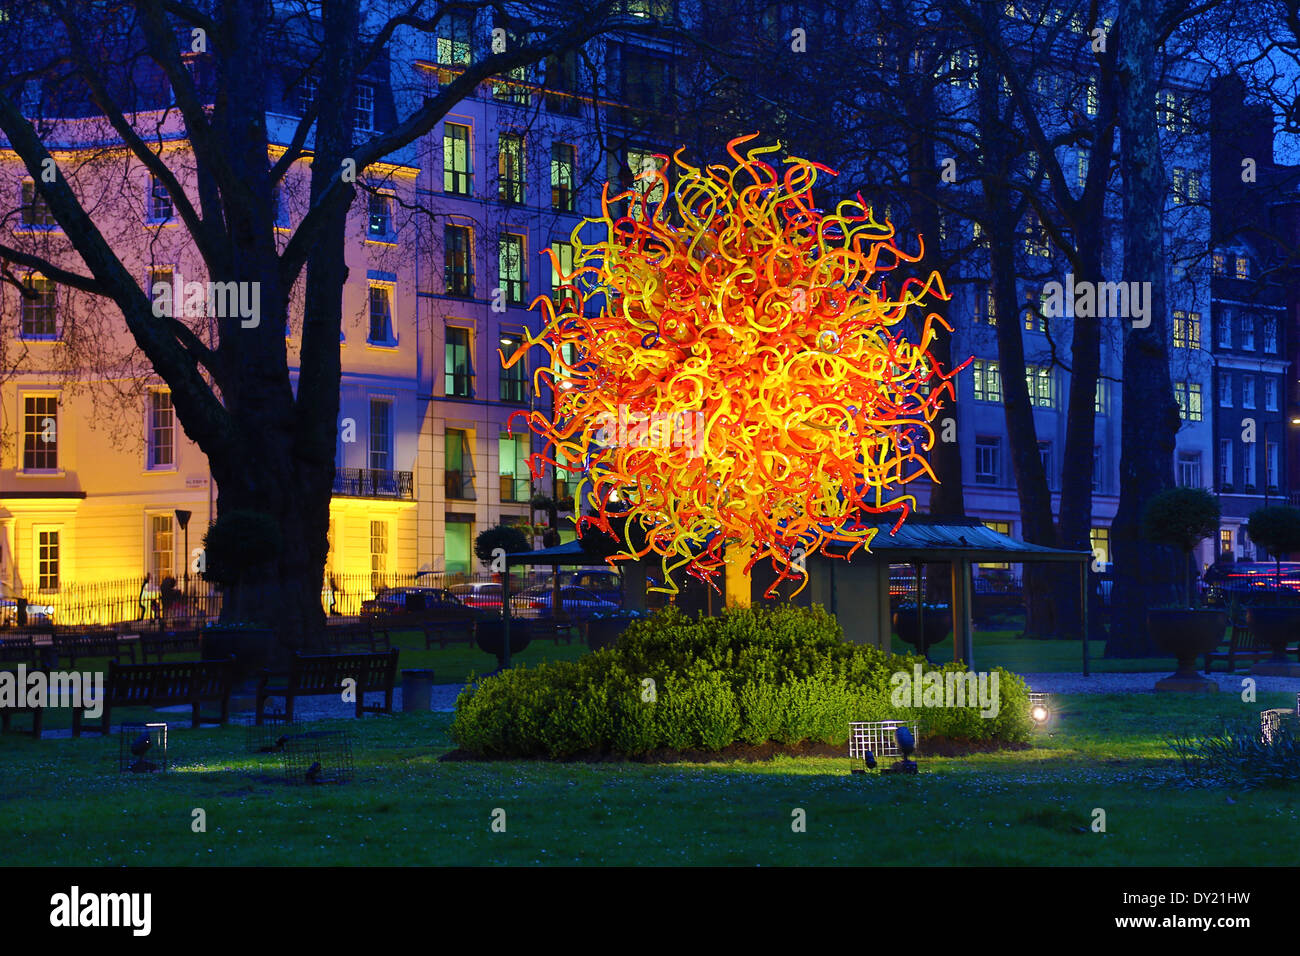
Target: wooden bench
{"x":1241,"y":645}
{"x":160,"y":685}
{"x":159,"y":643}
{"x":319,"y":675}
{"x":68,"y":647}
{"x":345,"y":638}
{"x":444,"y":630}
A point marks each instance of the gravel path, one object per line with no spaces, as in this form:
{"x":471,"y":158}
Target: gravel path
{"x":1144,"y":682}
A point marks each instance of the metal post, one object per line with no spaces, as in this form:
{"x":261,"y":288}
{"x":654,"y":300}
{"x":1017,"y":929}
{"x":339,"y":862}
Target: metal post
{"x":505,"y":618}
{"x":1083,"y":587}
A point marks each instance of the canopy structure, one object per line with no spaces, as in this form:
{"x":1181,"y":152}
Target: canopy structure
{"x":857,"y":591}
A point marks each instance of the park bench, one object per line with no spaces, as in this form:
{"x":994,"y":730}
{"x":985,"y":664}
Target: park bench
{"x":160,"y":685}
{"x":318,"y":675}
{"x":103,"y":643}
{"x":344,"y":638}
{"x":19,"y":649}
{"x":444,"y":630}
{"x":1240,"y":646}
{"x":158,"y":643}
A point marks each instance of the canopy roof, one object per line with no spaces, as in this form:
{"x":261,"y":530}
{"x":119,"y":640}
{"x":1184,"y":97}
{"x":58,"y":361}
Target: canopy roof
{"x":921,"y":538}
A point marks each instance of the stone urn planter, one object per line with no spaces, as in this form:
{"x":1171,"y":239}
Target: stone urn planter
{"x":1188,"y":634}
{"x":489,"y":635}
{"x":1276,"y":627}
{"x":936,"y":624}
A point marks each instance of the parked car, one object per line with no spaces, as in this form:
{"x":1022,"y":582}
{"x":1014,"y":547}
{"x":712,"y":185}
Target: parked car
{"x":1247,"y":581}
{"x":604,"y":583}
{"x":480,"y":594}
{"x":414,"y":600}
{"x":575,"y":602}
{"x":37,"y":614}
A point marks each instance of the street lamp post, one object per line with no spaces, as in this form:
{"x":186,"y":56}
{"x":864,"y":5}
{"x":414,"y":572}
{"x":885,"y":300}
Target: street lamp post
{"x":183,"y":517}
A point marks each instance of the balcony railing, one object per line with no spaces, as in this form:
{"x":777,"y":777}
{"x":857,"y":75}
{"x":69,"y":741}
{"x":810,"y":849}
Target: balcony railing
{"x":373,"y":483}
{"x":516,"y":489}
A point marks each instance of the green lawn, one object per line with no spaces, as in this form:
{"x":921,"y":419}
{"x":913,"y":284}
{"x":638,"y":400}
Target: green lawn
{"x":64,"y":803}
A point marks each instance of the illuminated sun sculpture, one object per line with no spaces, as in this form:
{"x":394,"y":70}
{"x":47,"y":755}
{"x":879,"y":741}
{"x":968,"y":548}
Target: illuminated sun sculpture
{"x":726,"y":371}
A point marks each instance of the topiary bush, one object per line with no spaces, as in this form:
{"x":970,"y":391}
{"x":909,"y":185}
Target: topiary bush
{"x":747,"y":676}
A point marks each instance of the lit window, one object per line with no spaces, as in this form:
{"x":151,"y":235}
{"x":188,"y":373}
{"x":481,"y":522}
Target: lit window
{"x":458,"y":369}
{"x":1187,"y":186}
{"x":510,"y":168}
{"x":1187,"y":329}
{"x":162,"y":548}
{"x":160,"y":201}
{"x":456,"y":170}
{"x":1100,"y":541}
{"x":454,"y":43}
{"x":459,"y":267}
{"x":510,"y":260}
{"x":1243,"y":267}
{"x":162,"y":429}
{"x":987,"y":380}
{"x":1039,"y":380}
{"x":513,"y":379}
{"x":381,"y":216}
{"x":47,"y":560}
{"x":561,"y":266}
{"x":1219,"y":264}
{"x":1188,"y":395}
{"x":378,"y":553}
{"x":563,"y":162}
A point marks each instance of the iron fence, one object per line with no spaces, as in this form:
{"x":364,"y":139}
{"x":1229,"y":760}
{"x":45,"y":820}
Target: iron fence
{"x":121,"y":601}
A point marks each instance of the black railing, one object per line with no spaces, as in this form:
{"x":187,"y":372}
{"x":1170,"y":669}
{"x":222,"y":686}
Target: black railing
{"x":373,"y":483}
{"x":516,"y":489}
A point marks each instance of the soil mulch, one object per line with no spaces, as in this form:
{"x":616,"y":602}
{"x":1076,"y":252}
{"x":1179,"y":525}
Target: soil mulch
{"x":930,"y":747}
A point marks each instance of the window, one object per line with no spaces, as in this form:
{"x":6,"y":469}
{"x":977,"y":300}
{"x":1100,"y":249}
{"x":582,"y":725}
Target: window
{"x":455,"y":47}
{"x":40,"y":433}
{"x":457,"y":175}
{"x":47,"y":560}
{"x":561,"y":266}
{"x":1243,"y":267}
{"x":308,"y":87}
{"x":1035,"y":317}
{"x":381,"y":315}
{"x":1039,"y":380}
{"x":513,"y":379}
{"x":510,"y":168}
{"x":510,"y":261}
{"x":1225,"y":331}
{"x":1098,"y":468}
{"x":1270,"y":336}
{"x":35,"y":212}
{"x":162,"y":429}
{"x":1225,"y":463}
{"x":1188,"y":395}
{"x":1045,"y":456}
{"x":381,"y":216}
{"x":1225,"y":541}
{"x":1270,"y":465}
{"x":459,"y":264}
{"x":39,"y":318}
{"x":1219,"y":264}
{"x":1248,"y":469}
{"x":1092,"y":96}
{"x":1270,"y":394}
{"x":563,"y":162}
{"x":1001,"y":527}
{"x":512,"y":463}
{"x":459,"y":370}
{"x":1174,"y":111}
{"x":1187,"y":186}
{"x":1099,"y":538}
{"x":650,"y":189}
{"x":1225,"y":389}
{"x":639,"y":78}
{"x":985,"y":308}
{"x":1187,"y":329}
{"x":160,"y":201}
{"x":378,"y":553}
{"x":987,"y":380}
{"x":459,"y":469}
{"x":1189,"y":469}
{"x":1100,"y":403}
{"x":381,"y":435}
{"x":1247,"y":391}
{"x":162,"y":547}
{"x":1081,"y":168}
{"x":562,"y":83}
{"x":1036,"y":241}
{"x":512,"y":87}
{"x":363,"y":108}
{"x":987,"y":451}
{"x":1247,"y":329}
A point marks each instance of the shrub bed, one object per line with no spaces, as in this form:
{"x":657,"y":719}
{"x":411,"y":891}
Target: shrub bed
{"x":748,"y":676}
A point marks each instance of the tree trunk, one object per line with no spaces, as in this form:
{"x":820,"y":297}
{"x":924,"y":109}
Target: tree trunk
{"x":1150,"y":418}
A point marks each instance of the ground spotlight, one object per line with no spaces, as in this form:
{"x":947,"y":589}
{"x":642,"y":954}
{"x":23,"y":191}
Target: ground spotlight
{"x":1039,"y":711}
